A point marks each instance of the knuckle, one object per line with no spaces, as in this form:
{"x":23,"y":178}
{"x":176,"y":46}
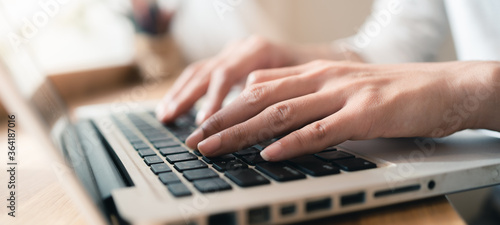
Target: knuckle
{"x":259,"y":41}
{"x":255,"y":76}
{"x":223,"y":73}
{"x":371,"y":96}
{"x":254,"y":94}
{"x":279,"y":115}
{"x":259,"y":44}
{"x":318,"y":130}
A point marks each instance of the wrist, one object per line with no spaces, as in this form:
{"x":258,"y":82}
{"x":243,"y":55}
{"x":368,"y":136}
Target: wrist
{"x":483,"y":96}
{"x":490,"y":118}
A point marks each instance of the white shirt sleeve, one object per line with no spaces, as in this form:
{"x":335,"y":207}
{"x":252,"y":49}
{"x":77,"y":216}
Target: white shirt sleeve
{"x":401,"y":31}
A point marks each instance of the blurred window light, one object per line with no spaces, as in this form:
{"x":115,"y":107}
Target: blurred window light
{"x":69,"y":35}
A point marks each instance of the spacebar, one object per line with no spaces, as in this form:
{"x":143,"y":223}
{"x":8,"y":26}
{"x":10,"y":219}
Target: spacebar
{"x":246,"y":177}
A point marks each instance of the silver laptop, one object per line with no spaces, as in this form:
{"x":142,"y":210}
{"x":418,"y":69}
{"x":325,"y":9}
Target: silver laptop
{"x":122,"y":166}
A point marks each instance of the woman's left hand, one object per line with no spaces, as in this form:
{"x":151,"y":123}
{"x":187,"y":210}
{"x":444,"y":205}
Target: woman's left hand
{"x":324,"y":103}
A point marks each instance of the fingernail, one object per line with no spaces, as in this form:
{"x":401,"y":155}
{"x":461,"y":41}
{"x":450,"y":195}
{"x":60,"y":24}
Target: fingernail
{"x":271,"y":153}
{"x":165,"y":109}
{"x":210,"y":145}
{"x":193,"y":139}
{"x":160,"y":111}
{"x":200,"y":117}
{"x":170,"y":110}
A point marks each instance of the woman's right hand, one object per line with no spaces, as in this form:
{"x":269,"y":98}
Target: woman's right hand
{"x":215,"y":76}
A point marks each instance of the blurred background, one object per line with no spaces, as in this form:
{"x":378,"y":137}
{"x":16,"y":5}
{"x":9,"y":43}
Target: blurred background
{"x":70,"y":35}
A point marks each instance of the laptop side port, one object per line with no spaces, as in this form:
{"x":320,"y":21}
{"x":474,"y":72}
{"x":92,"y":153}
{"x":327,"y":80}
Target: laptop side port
{"x":399,"y":190}
{"x":352,"y":199}
{"x":288,"y":210}
{"x":259,"y":215}
{"x":222,"y":218}
{"x":318,"y":205}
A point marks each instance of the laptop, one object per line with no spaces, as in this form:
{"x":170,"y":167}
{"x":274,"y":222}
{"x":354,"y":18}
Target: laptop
{"x":121,"y":166}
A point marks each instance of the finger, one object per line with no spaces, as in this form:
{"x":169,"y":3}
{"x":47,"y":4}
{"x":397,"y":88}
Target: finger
{"x":187,"y":76}
{"x":224,"y":77}
{"x":219,"y":87}
{"x":183,"y":99}
{"x":249,"y":103}
{"x":314,"y":137}
{"x":276,"y":119}
{"x":167,"y":109}
{"x":260,"y":76}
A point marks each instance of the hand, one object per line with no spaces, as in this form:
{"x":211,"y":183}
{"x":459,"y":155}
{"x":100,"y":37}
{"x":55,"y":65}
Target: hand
{"x":325,"y":103}
{"x":215,"y":77}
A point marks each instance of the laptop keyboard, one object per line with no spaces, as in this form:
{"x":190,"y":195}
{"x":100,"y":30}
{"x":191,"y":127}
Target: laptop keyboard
{"x":164,"y":152}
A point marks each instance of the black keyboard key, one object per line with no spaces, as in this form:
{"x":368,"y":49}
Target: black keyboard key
{"x":160,"y":168}
{"x":140,"y":145}
{"x":180,"y":157}
{"x":189,"y":165}
{"x":128,"y":133}
{"x":329,"y":149}
{"x":264,"y":144}
{"x":183,"y":137}
{"x":211,"y":185}
{"x":158,"y":138}
{"x":253,"y":159}
{"x":280,"y":171}
{"x":314,"y":166}
{"x":173,"y":150}
{"x":198,"y":153}
{"x":246,"y":177}
{"x":185,"y":120}
{"x":152,"y":132}
{"x":178,"y":189}
{"x":152,"y":160}
{"x":354,"y":164}
{"x":333,"y":155}
{"x":199,"y":174}
{"x":134,"y":140}
{"x":146,"y":152}
{"x":165,"y":143}
{"x":168,"y":178}
{"x":247,"y":151}
{"x":229,"y":165}
{"x":226,"y":157}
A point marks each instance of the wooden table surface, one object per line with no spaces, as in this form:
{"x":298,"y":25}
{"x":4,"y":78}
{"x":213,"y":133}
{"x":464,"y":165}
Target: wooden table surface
{"x":41,"y":199}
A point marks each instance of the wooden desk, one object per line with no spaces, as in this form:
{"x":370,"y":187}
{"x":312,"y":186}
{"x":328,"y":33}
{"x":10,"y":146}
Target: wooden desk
{"x":41,"y":199}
